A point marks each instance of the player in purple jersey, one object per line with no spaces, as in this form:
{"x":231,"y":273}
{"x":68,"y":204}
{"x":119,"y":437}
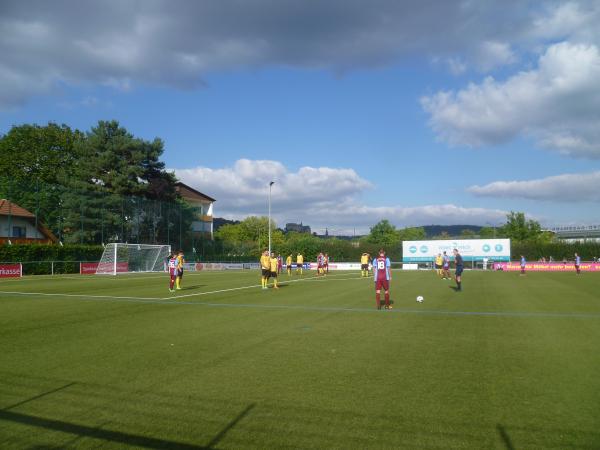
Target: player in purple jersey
{"x":382,"y":274}
{"x":446,"y":267}
{"x":172,"y":266}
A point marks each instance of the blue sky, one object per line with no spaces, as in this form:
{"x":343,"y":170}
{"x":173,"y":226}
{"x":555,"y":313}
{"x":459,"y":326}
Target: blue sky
{"x":358,"y":112}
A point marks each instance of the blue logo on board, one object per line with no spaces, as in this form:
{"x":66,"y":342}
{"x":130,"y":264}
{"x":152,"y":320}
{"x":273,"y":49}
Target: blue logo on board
{"x":486,"y":248}
{"x":412,"y":249}
{"x":499,"y":247}
{"x":424,"y":249}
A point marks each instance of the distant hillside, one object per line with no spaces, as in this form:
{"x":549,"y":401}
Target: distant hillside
{"x":452,"y":230}
{"x":430,"y":230}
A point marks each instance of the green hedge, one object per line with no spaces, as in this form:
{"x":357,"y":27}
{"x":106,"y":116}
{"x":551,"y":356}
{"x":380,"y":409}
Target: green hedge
{"x":558,"y":250}
{"x":36,"y":258}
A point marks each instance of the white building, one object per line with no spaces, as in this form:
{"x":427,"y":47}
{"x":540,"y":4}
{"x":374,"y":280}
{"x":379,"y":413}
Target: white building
{"x":203,"y":225}
{"x":579,"y":233}
{"x":19,"y":226}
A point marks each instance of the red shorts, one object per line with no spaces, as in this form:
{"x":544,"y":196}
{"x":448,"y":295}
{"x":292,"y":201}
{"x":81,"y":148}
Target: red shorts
{"x":382,"y":284}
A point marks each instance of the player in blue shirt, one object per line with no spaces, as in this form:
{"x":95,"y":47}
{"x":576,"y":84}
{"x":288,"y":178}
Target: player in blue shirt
{"x":523,"y":263}
{"x":577,"y":263}
{"x":458,"y":262}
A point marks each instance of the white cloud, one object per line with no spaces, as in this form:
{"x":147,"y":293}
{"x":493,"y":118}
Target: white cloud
{"x":573,"y":20}
{"x":492,"y":54}
{"x":558,"y":103}
{"x":318,"y":196}
{"x":573,"y":187}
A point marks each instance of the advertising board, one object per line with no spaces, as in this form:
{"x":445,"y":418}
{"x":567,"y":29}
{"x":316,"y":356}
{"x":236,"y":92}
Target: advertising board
{"x":470,"y":249}
{"x":547,"y":267}
{"x":337,"y":266}
{"x":88,"y":268}
{"x":11,"y":270}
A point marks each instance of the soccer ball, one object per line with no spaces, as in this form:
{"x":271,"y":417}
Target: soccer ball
{"x":420,"y":299}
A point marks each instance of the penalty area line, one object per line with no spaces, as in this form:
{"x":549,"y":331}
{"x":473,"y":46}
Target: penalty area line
{"x":219,"y":291}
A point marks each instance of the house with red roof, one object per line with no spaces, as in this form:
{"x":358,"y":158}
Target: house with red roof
{"x":20,"y":226}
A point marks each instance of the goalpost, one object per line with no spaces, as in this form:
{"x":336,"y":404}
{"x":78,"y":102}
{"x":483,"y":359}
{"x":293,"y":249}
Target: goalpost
{"x":119,"y":258}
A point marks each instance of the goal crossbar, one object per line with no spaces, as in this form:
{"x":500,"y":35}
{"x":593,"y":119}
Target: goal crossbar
{"x":120,"y":258}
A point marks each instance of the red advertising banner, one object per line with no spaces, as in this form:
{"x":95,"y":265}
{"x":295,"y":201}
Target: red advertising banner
{"x":11,"y":270}
{"x":88,"y":268}
{"x":547,"y":267}
{"x":109,"y":267}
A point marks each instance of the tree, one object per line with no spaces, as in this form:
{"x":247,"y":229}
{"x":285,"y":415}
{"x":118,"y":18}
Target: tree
{"x":120,"y":190}
{"x":487,"y":232}
{"x":520,"y":229}
{"x":467,"y":234}
{"x":251,"y":236}
{"x":38,"y":154}
{"x":384,"y":234}
{"x":412,"y":234}
{"x":34,"y":162}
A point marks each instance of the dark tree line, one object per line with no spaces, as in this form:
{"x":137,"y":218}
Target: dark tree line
{"x":93,"y":187}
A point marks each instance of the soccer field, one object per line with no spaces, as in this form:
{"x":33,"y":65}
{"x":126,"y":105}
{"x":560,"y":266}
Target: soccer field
{"x":110,"y":362}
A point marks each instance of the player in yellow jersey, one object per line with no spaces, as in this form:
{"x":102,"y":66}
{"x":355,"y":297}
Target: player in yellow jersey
{"x":179,"y":263}
{"x":438,"y":264}
{"x":288,"y":264}
{"x":299,"y":263}
{"x":274,"y":265}
{"x":364,"y":265}
{"x":265,"y":267}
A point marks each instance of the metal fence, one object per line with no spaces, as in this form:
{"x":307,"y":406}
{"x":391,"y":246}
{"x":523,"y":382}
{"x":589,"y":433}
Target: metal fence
{"x":73,"y":216}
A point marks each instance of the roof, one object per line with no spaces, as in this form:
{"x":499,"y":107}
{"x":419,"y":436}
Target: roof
{"x":179,"y":186}
{"x":9,"y":208}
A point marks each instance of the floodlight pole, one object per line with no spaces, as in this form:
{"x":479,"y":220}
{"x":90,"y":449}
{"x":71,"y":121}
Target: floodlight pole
{"x":270,"y":186}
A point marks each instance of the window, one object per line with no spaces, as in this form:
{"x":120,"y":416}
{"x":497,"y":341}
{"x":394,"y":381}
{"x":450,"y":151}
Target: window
{"x":19,"y":232}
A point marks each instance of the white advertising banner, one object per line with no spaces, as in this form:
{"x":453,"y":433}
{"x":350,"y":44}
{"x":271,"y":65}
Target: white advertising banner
{"x":470,"y":249}
{"x":338,"y":266}
{"x":219,"y":266}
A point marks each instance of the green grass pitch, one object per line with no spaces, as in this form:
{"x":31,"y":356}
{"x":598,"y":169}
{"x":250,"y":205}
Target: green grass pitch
{"x":111,"y":362}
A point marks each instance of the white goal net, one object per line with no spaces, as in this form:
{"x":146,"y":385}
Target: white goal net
{"x":131,"y":258}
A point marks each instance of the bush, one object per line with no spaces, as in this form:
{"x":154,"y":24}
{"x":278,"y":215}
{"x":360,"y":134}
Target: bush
{"x":558,"y":250}
{"x":36,"y":258}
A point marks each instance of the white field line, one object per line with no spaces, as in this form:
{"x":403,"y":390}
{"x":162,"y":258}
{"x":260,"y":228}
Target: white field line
{"x":45,"y":294}
{"x":149,"y":300}
{"x":109,"y":297}
{"x":313,"y":278}
{"x":88,"y":277}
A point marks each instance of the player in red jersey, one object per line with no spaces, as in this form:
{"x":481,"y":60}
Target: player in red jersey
{"x":382,"y":275}
{"x":173,"y":271}
{"x":320,"y":264}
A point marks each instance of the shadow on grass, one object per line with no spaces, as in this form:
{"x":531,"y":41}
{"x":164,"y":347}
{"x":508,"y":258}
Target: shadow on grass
{"x":95,"y":433}
{"x":153,"y":418}
{"x":36,"y":397}
{"x":505,"y":437}
{"x":195,"y":286}
{"x":116,"y":436}
{"x":88,"y":393}
{"x":230,"y":425}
